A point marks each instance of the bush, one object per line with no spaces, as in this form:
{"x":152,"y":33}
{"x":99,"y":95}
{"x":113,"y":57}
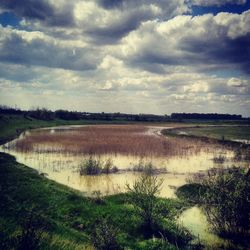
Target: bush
{"x":97,"y":197}
{"x":94,"y":166}
{"x":104,"y":236}
{"x":156,"y":215}
{"x":143,"y":196}
{"x":146,"y":168}
{"x":219,"y":159}
{"x":191,"y":193}
{"x":91,"y":166}
{"x":33,"y":233}
{"x":108,"y":167}
{"x":227,"y":200}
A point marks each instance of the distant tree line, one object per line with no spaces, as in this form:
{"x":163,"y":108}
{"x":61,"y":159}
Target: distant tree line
{"x":9,"y":110}
{"x":209,"y":116}
{"x":46,"y":114}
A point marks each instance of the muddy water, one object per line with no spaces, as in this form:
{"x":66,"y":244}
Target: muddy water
{"x":63,"y":167}
{"x":195,"y":220}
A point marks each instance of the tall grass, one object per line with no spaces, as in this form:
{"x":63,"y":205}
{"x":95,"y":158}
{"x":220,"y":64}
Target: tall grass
{"x":94,"y":166}
{"x":112,"y":139}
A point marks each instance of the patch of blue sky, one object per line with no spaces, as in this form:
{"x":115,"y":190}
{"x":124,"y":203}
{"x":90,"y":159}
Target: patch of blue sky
{"x":9,"y":19}
{"x":230,"y":8}
{"x":227,"y":73}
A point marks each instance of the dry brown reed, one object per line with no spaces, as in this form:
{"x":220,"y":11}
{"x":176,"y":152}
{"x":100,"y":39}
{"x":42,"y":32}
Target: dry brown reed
{"x":109,"y":139}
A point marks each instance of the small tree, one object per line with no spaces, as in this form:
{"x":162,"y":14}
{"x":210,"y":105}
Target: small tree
{"x":227,"y":200}
{"x":143,"y":196}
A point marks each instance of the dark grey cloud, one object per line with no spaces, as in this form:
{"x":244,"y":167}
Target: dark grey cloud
{"x":113,"y":32}
{"x":205,"y":43}
{"x":223,"y":51}
{"x":42,"y":52}
{"x":110,"y":4}
{"x":118,"y":18}
{"x":103,"y":21}
{"x":40,"y":10}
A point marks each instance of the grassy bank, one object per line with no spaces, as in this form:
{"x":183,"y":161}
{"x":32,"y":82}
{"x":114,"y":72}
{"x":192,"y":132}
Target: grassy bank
{"x":222,"y":133}
{"x":12,"y":125}
{"x":72,"y":218}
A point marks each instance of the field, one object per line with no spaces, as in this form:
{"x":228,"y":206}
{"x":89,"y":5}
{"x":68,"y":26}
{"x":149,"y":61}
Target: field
{"x":228,"y":132}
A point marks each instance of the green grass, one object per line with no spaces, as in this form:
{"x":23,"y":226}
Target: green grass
{"x":72,"y":216}
{"x":216,"y":132}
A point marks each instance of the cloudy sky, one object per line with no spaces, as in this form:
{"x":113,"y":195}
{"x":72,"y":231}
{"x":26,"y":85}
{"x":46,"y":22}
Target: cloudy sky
{"x":133,"y":56}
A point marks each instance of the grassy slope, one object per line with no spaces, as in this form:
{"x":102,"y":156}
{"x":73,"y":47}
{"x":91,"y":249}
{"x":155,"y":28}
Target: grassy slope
{"x":12,"y":125}
{"x":73,"y":216}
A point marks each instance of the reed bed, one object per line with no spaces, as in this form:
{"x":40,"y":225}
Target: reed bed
{"x":109,"y":139}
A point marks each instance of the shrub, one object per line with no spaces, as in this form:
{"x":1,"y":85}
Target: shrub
{"x":227,"y":200}
{"x":191,"y":192}
{"x":104,"y":236}
{"x":97,"y":197}
{"x":33,"y":232}
{"x":143,"y":196}
{"x":219,"y":159}
{"x":91,"y":166}
{"x":108,"y":167}
{"x":146,"y":168}
{"x":94,"y":166}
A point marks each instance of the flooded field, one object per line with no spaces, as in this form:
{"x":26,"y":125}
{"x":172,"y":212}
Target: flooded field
{"x":58,"y":153}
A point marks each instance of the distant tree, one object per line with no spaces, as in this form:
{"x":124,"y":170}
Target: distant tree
{"x":207,"y":116}
{"x":41,"y":114}
{"x":9,"y":110}
{"x":68,"y":115}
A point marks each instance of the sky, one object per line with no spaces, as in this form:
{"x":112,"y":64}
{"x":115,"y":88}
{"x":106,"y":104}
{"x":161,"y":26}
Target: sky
{"x":130,"y":56}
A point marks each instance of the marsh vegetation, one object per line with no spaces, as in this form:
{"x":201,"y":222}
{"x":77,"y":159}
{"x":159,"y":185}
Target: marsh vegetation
{"x":106,"y":157}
